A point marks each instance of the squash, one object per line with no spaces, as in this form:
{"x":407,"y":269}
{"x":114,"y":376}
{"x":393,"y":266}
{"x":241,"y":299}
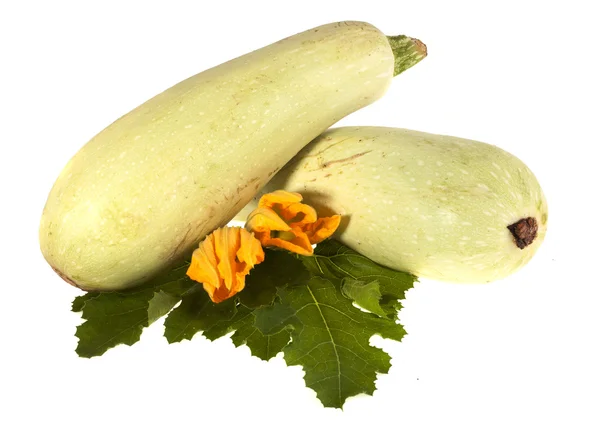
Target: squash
{"x":439,"y":207}
{"x":144,"y":191}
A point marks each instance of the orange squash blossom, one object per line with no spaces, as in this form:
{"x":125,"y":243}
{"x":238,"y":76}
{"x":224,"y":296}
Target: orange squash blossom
{"x":281,"y":220}
{"x":223,"y":260}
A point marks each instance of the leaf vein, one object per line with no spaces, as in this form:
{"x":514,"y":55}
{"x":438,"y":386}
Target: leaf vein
{"x":334,"y":346}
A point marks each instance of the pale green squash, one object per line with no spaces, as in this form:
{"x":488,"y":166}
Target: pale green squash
{"x":436,"y":206}
{"x":149,"y":187}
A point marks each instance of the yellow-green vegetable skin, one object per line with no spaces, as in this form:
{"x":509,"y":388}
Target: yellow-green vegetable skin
{"x":150,"y":186}
{"x":436,"y":206}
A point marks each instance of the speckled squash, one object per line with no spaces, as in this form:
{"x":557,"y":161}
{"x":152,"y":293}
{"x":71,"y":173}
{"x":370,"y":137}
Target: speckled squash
{"x":150,"y":186}
{"x":439,"y":207}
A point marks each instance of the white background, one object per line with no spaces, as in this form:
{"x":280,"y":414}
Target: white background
{"x":519,"y":74}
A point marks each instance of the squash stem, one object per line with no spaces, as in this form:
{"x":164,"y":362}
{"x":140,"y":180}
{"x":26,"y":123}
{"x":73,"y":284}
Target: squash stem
{"x":407,"y":51}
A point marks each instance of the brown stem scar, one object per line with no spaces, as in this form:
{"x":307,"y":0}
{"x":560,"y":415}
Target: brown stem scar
{"x":524,"y":231}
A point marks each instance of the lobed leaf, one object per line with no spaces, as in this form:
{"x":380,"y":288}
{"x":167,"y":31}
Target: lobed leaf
{"x":330,"y":339}
{"x":119,"y":317}
{"x":197,"y":313}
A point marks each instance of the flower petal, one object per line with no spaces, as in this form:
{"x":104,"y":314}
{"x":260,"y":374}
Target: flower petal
{"x":299,"y":214}
{"x":226,"y":246}
{"x":322,"y":229}
{"x":295,"y":241}
{"x":263,"y":219}
{"x":283,"y":198}
{"x":249,"y":254}
{"x":203,"y":266}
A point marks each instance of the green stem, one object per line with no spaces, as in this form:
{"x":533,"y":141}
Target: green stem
{"x":407,"y":51}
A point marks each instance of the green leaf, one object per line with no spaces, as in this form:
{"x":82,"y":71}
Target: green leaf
{"x":197,"y":313}
{"x":335,"y":261}
{"x":366,"y":295}
{"x":262,"y":346}
{"x":273,"y":319}
{"x":119,"y":317}
{"x":279,"y":268}
{"x":330,"y":339}
{"x":160,"y":305}
{"x":79,"y":301}
{"x":330,"y":336}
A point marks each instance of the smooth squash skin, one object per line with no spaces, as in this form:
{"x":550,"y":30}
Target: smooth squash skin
{"x":150,"y":186}
{"x":436,"y":206}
